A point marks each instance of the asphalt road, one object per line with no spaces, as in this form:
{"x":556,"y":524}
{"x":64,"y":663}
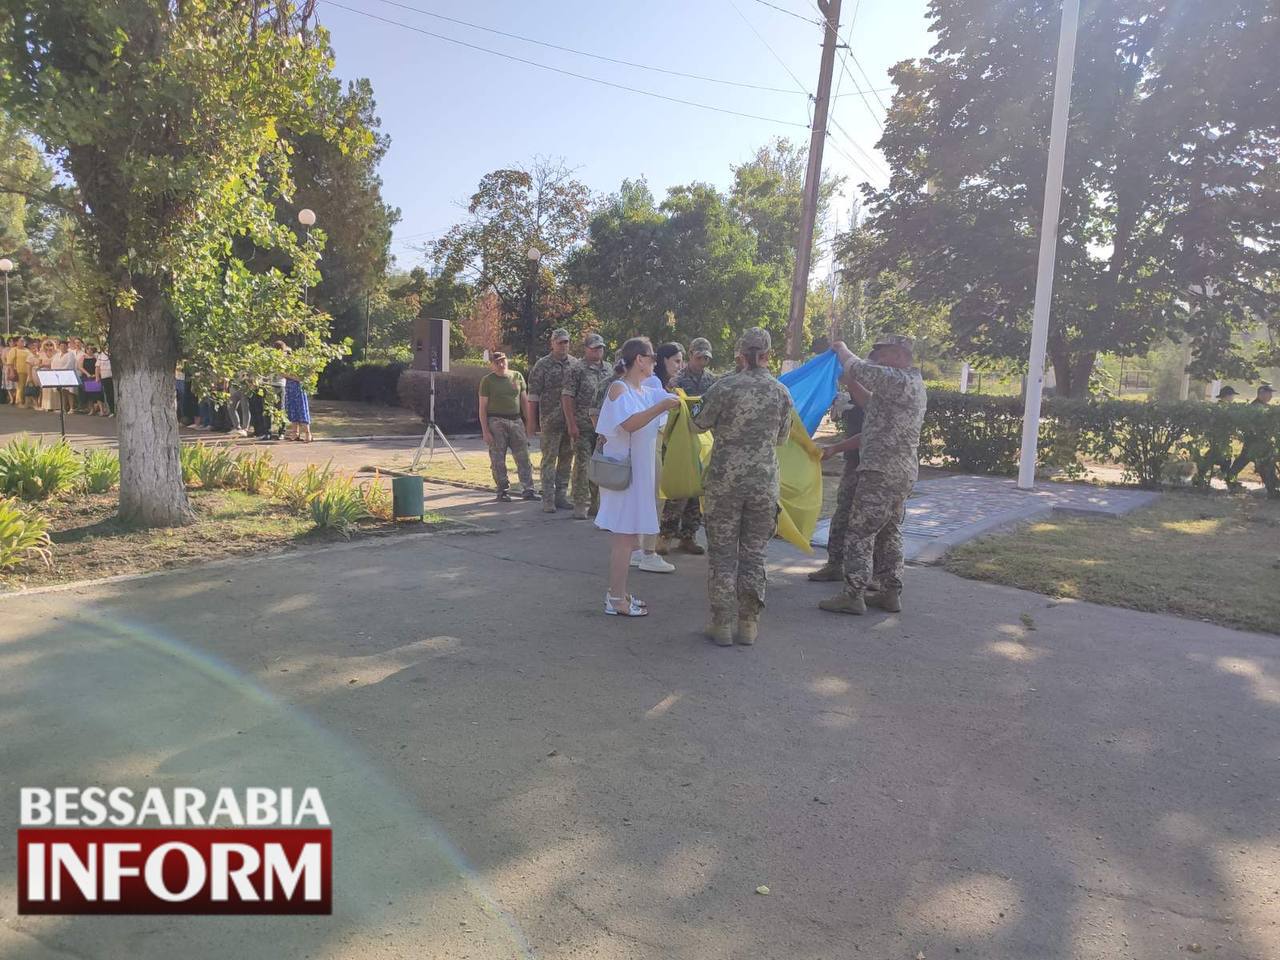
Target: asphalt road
{"x":510,"y":773}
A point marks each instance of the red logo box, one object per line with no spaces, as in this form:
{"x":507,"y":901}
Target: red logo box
{"x":175,"y":871}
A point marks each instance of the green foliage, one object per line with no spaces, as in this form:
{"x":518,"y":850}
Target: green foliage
{"x":1169,"y":197}
{"x":30,"y":470}
{"x":339,"y":505}
{"x":364,"y":382}
{"x":255,"y":472}
{"x":208,"y":467}
{"x":23,"y":535}
{"x":101,"y":470}
{"x":512,"y":210}
{"x":982,"y":434}
{"x":297,"y":490}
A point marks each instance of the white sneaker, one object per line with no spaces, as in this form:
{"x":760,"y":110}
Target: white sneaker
{"x":636,"y":557}
{"x":652,"y":563}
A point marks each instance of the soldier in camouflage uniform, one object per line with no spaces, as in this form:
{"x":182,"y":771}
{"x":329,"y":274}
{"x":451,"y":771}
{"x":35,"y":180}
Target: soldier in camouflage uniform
{"x":887,"y":471}
{"x":748,"y":414}
{"x":682,"y":518}
{"x":833,"y":569}
{"x":579,"y":399}
{"x":546,"y":386}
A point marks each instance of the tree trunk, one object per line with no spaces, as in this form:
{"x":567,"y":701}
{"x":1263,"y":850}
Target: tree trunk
{"x":1070,"y":370}
{"x":144,"y":353}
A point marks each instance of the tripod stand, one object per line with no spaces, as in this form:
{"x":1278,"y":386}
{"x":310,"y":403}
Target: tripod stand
{"x":433,"y":432}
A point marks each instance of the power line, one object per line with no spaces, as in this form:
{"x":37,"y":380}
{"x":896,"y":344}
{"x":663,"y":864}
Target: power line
{"x":789,"y":13}
{"x":844,"y":49}
{"x":848,"y":156}
{"x":857,"y":146}
{"x":585,"y":53}
{"x":567,"y":73}
{"x":760,"y":37}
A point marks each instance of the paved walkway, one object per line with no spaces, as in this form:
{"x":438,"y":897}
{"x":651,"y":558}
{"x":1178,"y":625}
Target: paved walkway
{"x":990,"y":774}
{"x":946,"y":511}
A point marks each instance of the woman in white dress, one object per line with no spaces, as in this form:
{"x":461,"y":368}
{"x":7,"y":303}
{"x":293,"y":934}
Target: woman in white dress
{"x":630,"y":418}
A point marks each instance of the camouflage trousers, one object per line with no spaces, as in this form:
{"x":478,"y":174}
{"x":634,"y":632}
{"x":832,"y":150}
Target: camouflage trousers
{"x":739,"y":528}
{"x":583,"y":492}
{"x":874,"y":532}
{"x":557,"y":458}
{"x":509,"y":435}
{"x":844,"y":507}
{"x":681,"y":519}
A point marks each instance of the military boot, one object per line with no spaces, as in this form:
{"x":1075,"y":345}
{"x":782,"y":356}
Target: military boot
{"x":721,"y":634}
{"x":888,"y":598}
{"x":829,"y":572}
{"x":562,"y":502}
{"x":847,"y":600}
{"x":690,"y":545}
{"x":580,"y":513}
{"x":663,"y":546}
{"x":748,"y":630}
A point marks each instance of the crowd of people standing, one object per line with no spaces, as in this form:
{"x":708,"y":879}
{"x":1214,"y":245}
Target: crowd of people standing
{"x":584,"y":410}
{"x":22,"y":359}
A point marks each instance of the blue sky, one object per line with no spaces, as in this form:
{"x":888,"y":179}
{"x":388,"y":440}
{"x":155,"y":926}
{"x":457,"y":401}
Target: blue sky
{"x":455,"y":113}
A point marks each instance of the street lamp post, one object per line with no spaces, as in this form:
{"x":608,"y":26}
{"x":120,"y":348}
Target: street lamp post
{"x":6,"y":265}
{"x":531,"y":315}
{"x":306,"y":217}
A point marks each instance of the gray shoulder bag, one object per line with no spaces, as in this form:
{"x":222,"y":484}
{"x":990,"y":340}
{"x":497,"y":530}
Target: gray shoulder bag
{"x":608,"y":473}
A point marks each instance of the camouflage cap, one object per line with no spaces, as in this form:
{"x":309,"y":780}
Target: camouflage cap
{"x":1227,"y":391}
{"x":558,"y":334}
{"x":593,"y":340}
{"x":755,"y":339}
{"x":700,"y":346}
{"x":894,"y":340}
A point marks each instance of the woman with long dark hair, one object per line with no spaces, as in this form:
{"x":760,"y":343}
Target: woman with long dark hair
{"x":630,"y":417}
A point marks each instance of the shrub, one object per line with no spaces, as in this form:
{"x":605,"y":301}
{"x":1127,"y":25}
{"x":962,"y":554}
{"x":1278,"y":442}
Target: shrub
{"x":297,"y":491}
{"x":1154,"y":442}
{"x":101,"y":470}
{"x":31,"y":470}
{"x":338,"y":505}
{"x":377,"y":500}
{"x":457,"y":395}
{"x":23,"y":535}
{"x":207,"y":467}
{"x":365,"y":382}
{"x":254,"y":472}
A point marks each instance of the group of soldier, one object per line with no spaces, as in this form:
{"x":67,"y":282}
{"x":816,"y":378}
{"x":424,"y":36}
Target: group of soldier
{"x":748,"y":413}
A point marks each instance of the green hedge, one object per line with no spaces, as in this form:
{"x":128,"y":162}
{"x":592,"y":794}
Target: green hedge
{"x":457,"y":395}
{"x":366,"y":382}
{"x":1155,"y":443}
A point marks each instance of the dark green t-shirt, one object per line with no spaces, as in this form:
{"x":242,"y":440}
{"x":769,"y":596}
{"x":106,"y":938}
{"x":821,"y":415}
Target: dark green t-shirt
{"x":503,"y":393}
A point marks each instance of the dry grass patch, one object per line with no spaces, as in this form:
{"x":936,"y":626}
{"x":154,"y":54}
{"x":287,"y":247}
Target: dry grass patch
{"x":1214,"y":558}
{"x":90,"y":542}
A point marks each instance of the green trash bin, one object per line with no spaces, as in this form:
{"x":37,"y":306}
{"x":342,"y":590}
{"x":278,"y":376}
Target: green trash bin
{"x":406,"y":498}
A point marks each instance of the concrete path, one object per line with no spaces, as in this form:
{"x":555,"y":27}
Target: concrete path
{"x":510,"y":773}
{"x":950,"y":510}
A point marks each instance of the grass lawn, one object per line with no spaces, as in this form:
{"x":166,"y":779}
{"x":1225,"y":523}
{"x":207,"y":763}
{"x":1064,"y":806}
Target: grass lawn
{"x":89,"y":542}
{"x":473,"y":472}
{"x":333,"y":419}
{"x":1215,"y":558}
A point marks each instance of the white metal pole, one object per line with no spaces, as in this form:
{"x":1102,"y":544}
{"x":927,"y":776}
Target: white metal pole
{"x":1048,"y":242}
{"x":964,"y":378}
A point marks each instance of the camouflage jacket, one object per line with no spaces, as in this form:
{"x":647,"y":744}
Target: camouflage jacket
{"x":584,"y":383}
{"x":695,"y":385}
{"x":546,"y":381}
{"x":894,"y":415}
{"x":748,"y":414}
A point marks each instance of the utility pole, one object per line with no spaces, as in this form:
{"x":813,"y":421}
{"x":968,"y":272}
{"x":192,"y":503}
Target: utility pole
{"x":812,"y":179}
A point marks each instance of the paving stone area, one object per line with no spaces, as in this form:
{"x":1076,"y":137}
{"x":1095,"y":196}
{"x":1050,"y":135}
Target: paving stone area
{"x":946,"y":511}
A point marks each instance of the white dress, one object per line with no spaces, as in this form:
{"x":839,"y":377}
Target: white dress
{"x":635,"y":509}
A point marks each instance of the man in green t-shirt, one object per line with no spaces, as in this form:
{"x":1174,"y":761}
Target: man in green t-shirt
{"x":503,"y":409}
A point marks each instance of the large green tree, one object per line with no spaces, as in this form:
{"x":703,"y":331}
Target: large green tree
{"x":688,"y":267}
{"x":168,"y":117}
{"x":342,"y":186}
{"x":542,"y":207}
{"x":1170,"y":208}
